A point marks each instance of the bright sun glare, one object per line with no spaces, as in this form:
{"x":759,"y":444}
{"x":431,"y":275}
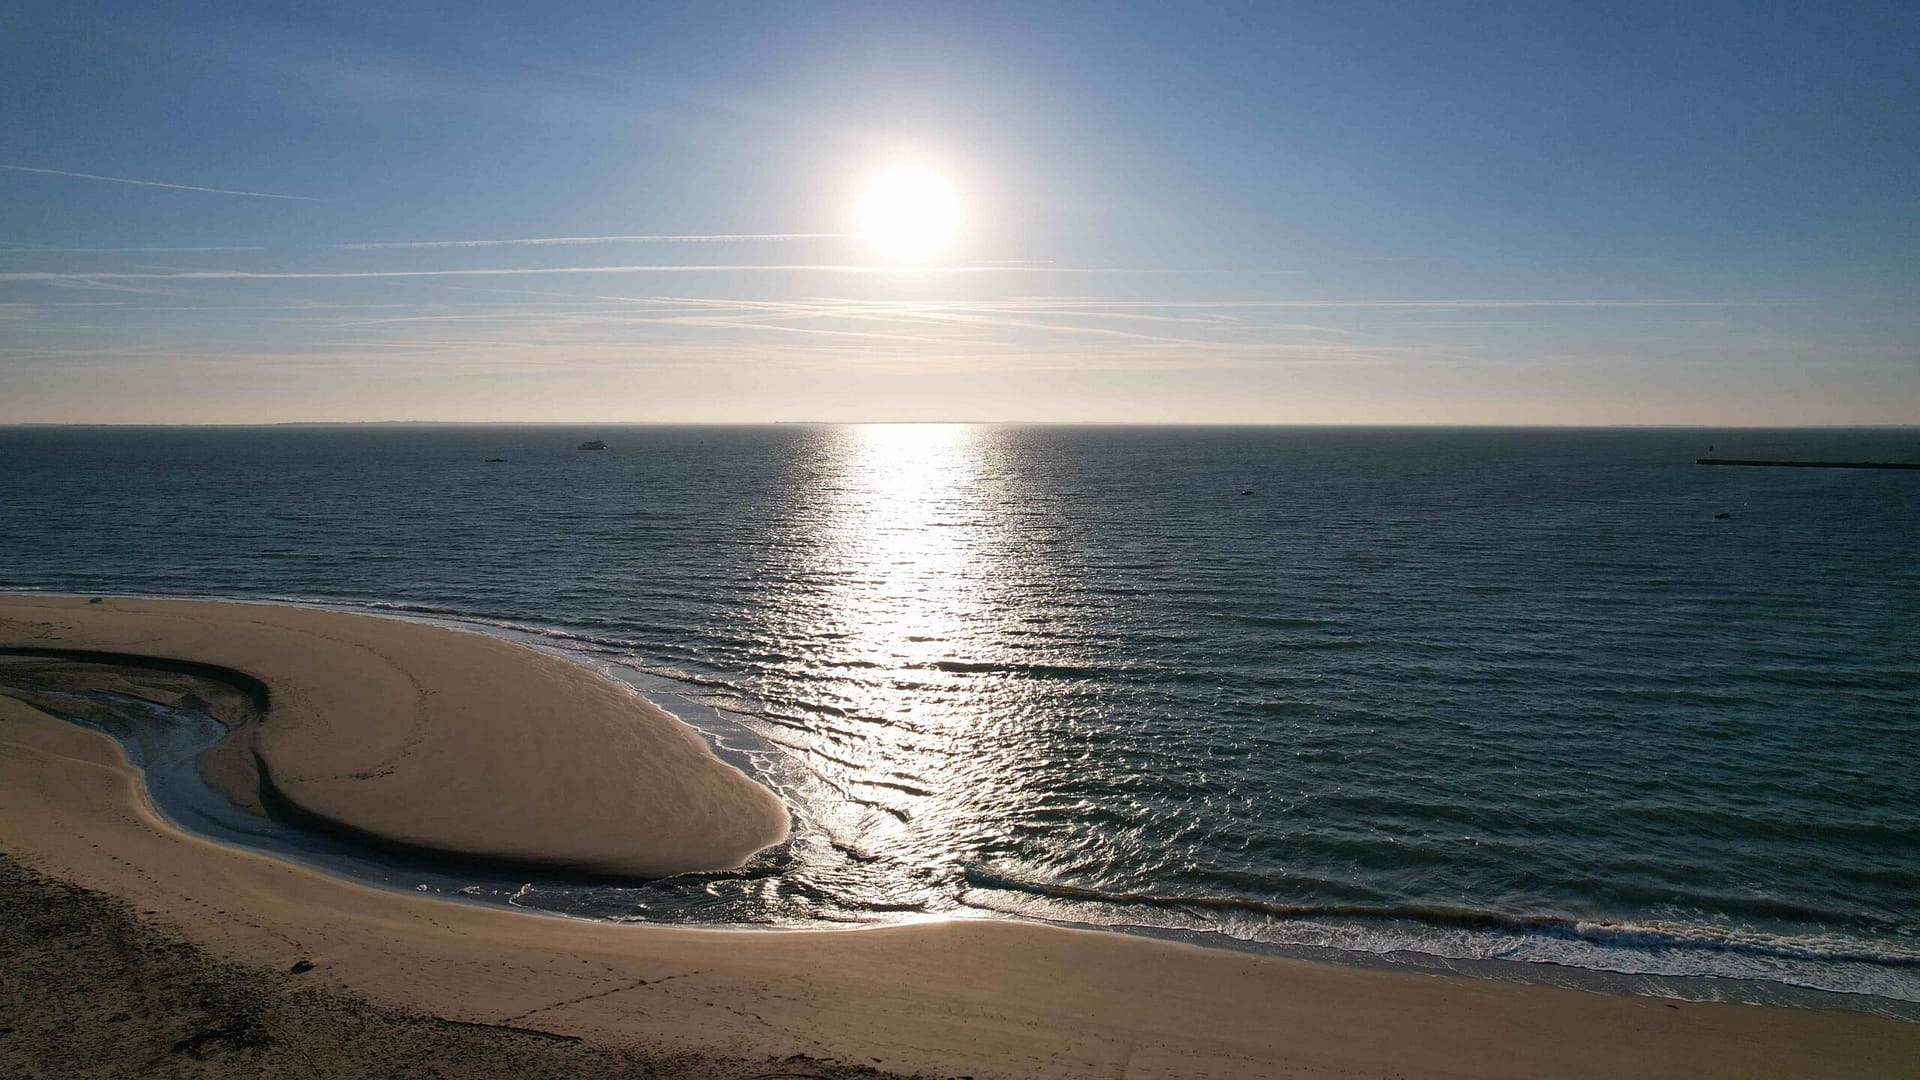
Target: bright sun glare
{"x":909,"y":213}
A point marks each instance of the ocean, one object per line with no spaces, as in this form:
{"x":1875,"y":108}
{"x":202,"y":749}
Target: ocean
{"x":1547,"y":704}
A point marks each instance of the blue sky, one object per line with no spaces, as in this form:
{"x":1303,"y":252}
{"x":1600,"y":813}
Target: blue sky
{"x":1325,"y":213}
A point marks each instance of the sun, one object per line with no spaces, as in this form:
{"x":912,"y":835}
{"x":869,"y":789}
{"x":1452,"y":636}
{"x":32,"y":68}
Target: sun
{"x":908,"y":213}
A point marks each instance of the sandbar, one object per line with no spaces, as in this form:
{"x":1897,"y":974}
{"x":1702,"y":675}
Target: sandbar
{"x":440,"y":739}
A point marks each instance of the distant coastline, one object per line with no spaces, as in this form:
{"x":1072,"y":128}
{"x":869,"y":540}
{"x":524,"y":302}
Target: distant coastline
{"x":572,"y":425}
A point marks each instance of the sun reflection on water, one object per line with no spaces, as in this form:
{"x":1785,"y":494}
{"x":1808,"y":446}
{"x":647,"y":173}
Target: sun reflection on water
{"x":904,"y":543}
{"x":910,"y":560}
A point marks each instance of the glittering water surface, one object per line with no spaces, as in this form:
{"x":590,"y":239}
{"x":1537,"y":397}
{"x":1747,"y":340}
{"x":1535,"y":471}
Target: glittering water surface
{"x":1507,"y":694}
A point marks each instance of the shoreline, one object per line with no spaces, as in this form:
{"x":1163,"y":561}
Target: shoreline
{"x":977,"y":997}
{"x":465,"y":880}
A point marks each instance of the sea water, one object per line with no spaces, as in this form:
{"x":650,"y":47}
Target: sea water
{"x":1560,"y":700}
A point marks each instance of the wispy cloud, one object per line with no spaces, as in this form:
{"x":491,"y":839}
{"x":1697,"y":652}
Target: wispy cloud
{"x":702,"y":268}
{"x":989,"y":331}
{"x":1411,"y":305}
{"x":830,"y":334}
{"x":728,"y":238}
{"x":613,"y":323}
{"x":157,"y":183}
{"x":113,"y":286}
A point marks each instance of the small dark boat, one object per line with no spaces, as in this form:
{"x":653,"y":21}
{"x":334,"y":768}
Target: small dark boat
{"x":593,"y":444}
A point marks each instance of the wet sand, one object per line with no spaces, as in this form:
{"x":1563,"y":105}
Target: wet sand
{"x":958,"y":998}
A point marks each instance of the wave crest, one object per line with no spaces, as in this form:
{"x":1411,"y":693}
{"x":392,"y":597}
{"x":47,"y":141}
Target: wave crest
{"x":1651,"y":936}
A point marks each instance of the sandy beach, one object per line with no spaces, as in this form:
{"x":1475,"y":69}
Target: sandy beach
{"x":468,"y":744}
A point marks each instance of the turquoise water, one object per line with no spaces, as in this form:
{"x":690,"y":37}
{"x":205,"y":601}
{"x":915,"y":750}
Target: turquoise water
{"x":1473,"y":695}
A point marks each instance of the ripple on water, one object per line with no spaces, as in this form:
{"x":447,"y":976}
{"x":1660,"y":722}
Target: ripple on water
{"x":1514,"y":672}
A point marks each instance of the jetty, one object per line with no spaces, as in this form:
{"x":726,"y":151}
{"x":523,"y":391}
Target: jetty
{"x":1810,"y":464}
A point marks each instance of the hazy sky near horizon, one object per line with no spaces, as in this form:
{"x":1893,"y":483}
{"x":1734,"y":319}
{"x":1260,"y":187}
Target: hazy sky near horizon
{"x":1293,"y":213}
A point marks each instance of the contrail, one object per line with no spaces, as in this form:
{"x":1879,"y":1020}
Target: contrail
{"x":696,"y":239}
{"x":156,"y":183}
{"x":10,"y":249}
